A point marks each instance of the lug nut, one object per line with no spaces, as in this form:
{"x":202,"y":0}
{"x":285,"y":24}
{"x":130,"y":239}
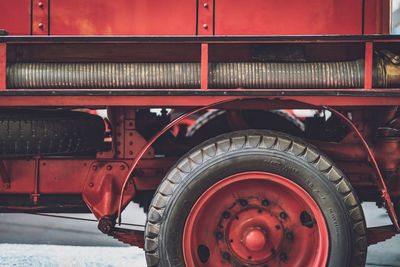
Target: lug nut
{"x":226,"y":215}
{"x":243,"y":202}
{"x":265,"y":202}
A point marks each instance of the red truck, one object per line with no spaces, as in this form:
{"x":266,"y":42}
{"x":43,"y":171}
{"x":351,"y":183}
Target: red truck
{"x":247,"y":184}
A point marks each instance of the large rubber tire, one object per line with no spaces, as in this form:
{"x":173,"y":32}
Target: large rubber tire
{"x":262,"y":151}
{"x":216,"y":122}
{"x":39,"y":132}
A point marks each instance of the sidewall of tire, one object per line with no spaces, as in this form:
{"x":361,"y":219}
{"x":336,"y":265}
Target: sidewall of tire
{"x":325,"y":193}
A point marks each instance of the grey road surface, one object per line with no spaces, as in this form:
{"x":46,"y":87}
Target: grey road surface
{"x":29,"y":240}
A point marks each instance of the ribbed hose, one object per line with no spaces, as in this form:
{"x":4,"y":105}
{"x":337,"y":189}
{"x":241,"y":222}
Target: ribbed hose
{"x":348,"y":74}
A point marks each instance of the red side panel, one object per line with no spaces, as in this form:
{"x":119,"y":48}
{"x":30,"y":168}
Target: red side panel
{"x":288,"y":17}
{"x":121,"y":17}
{"x":377,"y":17}
{"x":15,"y":16}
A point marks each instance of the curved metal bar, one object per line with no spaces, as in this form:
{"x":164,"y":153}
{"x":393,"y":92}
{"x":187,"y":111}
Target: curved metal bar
{"x":154,"y":138}
{"x":381,"y":182}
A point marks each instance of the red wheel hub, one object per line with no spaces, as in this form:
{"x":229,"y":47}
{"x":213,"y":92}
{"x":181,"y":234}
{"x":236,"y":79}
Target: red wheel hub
{"x":254,"y":240}
{"x":255,"y":218}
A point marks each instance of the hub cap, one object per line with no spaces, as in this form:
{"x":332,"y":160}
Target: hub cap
{"x":255,"y":219}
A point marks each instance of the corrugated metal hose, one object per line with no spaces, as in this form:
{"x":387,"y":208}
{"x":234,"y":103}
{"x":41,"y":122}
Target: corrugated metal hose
{"x":345,"y":74}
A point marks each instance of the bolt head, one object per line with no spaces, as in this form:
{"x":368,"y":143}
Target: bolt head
{"x":91,"y":184}
{"x":265,"y":202}
{"x":205,"y":5}
{"x":205,"y":26}
{"x":243,"y":202}
{"x":41,"y":25}
{"x":226,"y":214}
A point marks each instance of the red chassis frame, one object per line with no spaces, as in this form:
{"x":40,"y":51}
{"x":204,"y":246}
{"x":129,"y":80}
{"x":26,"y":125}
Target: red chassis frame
{"x":101,"y":180}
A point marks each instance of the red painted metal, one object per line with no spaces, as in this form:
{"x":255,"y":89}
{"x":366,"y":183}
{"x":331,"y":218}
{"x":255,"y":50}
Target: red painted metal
{"x":191,"y":101}
{"x":66,"y":176}
{"x":127,"y":140}
{"x":3,"y":64}
{"x":16,"y":17}
{"x":291,"y":17}
{"x":153,"y":139}
{"x":40,"y":17}
{"x":380,"y":181}
{"x":205,"y":17}
{"x":21,"y":179}
{"x":204,"y":66}
{"x":120,"y":17}
{"x":377,"y":15}
{"x":249,"y":229}
{"x":5,"y":178}
{"x":102,"y":187}
{"x":369,"y":53}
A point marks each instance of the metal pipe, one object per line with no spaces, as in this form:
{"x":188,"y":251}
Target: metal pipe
{"x":345,"y":74}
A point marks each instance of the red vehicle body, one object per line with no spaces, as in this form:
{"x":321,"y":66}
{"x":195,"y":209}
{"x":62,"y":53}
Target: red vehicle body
{"x":236,"y":188}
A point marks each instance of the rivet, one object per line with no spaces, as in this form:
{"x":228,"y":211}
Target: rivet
{"x":122,"y":167}
{"x":205,"y":5}
{"x":109,"y":167}
{"x":40,"y":4}
{"x":91,"y":184}
{"x":40,"y":25}
{"x":265,"y":202}
{"x":94,"y":167}
{"x":205,"y":26}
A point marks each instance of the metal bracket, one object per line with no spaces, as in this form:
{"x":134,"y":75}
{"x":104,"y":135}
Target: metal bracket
{"x":5,"y":178}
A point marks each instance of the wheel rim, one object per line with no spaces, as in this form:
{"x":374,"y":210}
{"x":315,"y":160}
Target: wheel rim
{"x":255,"y":219}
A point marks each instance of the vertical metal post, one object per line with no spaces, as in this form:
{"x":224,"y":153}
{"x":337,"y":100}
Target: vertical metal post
{"x":205,"y":17}
{"x":3,"y":50}
{"x":204,"y":66}
{"x":368,"y":65}
{"x":35,"y":195}
{"x":40,"y":17}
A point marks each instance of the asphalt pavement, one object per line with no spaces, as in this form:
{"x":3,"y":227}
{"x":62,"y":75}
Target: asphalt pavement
{"x":31,"y":240}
